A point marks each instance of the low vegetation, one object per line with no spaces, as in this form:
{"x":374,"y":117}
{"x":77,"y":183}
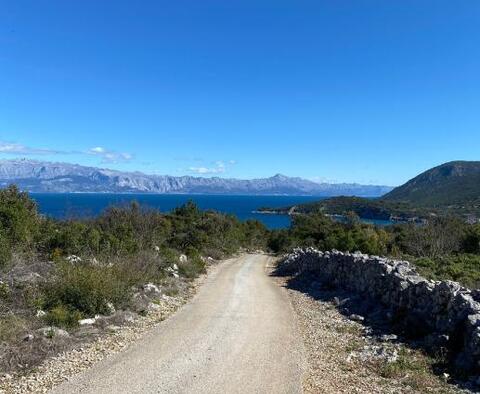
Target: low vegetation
{"x":57,"y":272}
{"x":442,"y":248}
{"x":75,"y":269}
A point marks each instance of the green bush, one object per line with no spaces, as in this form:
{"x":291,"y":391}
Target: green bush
{"x":193,"y":267}
{"x":5,"y":250}
{"x":61,"y":316}
{"x":87,"y":289}
{"x":19,"y":220}
{"x":463,"y":268}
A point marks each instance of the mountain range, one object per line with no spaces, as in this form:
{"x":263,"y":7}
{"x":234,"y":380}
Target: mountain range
{"x":42,"y":176}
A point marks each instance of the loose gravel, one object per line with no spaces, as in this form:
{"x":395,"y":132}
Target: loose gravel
{"x":343,"y":358}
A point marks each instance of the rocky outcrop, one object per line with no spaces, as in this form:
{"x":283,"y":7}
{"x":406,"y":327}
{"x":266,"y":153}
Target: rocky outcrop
{"x":441,"y":311}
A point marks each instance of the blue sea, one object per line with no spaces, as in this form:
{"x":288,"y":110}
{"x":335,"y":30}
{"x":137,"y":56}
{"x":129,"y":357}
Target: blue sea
{"x":80,"y":205}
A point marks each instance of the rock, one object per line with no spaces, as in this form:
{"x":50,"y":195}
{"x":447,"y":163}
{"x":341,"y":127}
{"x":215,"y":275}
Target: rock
{"x":152,"y":306}
{"x":375,"y":352}
{"x":74,"y":259}
{"x":140,"y":302}
{"x":340,"y":302}
{"x":173,"y":272}
{"x":436,"y":310}
{"x":111,"y":308}
{"x":87,"y":322}
{"x":119,"y":318}
{"x":388,"y":338}
{"x":28,"y":338}
{"x":50,"y":332}
{"x":151,"y":290}
{"x":356,"y":317}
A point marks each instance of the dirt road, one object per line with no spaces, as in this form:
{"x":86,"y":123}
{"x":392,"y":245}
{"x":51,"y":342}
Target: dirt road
{"x":238,"y":335}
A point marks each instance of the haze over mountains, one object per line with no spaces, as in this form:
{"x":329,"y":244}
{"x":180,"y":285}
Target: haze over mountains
{"x":41,"y":176}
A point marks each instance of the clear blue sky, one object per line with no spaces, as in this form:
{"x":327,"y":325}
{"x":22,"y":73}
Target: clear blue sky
{"x":351,"y":90}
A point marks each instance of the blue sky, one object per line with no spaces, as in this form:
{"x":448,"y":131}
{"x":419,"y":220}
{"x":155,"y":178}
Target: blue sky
{"x":351,"y":90}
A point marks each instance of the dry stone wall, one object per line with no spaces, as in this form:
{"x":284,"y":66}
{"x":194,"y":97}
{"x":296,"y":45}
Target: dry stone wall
{"x":441,"y":309}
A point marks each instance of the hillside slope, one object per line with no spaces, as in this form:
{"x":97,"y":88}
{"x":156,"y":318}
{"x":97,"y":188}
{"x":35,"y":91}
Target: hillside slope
{"x":455,"y":183}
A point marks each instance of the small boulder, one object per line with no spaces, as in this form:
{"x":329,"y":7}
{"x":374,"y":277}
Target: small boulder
{"x":87,"y":322}
{"x":111,"y":308}
{"x":356,"y":317}
{"x":28,"y":338}
{"x":51,"y":332}
{"x":151,"y":290}
{"x":74,"y":259}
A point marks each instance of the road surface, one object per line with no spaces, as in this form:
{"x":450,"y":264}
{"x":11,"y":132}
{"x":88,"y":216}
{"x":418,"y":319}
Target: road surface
{"x":237,"y":335}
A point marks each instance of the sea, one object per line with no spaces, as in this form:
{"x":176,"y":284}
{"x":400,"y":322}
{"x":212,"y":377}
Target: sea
{"x":84,"y":205}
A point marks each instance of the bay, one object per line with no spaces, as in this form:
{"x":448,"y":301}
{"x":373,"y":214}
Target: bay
{"x":81,"y":205}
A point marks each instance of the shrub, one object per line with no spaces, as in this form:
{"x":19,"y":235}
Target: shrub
{"x":62,"y":316}
{"x":11,"y":327}
{"x":5,"y":250}
{"x":463,"y":268}
{"x":87,"y":289}
{"x":193,"y":267}
{"x":19,"y":220}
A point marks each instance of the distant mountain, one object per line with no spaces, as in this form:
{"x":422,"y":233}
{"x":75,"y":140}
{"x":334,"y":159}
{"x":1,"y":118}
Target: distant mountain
{"x":454,"y":184}
{"x":38,"y":176}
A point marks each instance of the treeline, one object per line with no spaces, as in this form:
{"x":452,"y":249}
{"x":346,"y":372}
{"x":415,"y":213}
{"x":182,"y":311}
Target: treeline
{"x":367,"y":208}
{"x":444,"y":248}
{"x":121,"y":231}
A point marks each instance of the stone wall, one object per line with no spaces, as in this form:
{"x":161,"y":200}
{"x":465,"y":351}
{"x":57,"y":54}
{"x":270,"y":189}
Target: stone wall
{"x":438,"y":309}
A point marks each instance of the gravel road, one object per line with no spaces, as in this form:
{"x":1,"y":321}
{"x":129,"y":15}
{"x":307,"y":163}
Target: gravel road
{"x":238,"y":335}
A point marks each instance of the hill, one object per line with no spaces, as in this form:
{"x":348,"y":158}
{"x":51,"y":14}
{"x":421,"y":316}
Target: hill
{"x":366,"y":208}
{"x":455,"y":185}
{"x":39,"y":176}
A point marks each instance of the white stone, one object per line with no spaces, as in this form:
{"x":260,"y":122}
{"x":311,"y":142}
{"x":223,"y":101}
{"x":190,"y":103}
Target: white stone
{"x":87,"y":322}
{"x":74,"y":259}
{"x":52,"y":332}
{"x":151,"y":288}
{"x":28,"y":338}
{"x":111,"y":308}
